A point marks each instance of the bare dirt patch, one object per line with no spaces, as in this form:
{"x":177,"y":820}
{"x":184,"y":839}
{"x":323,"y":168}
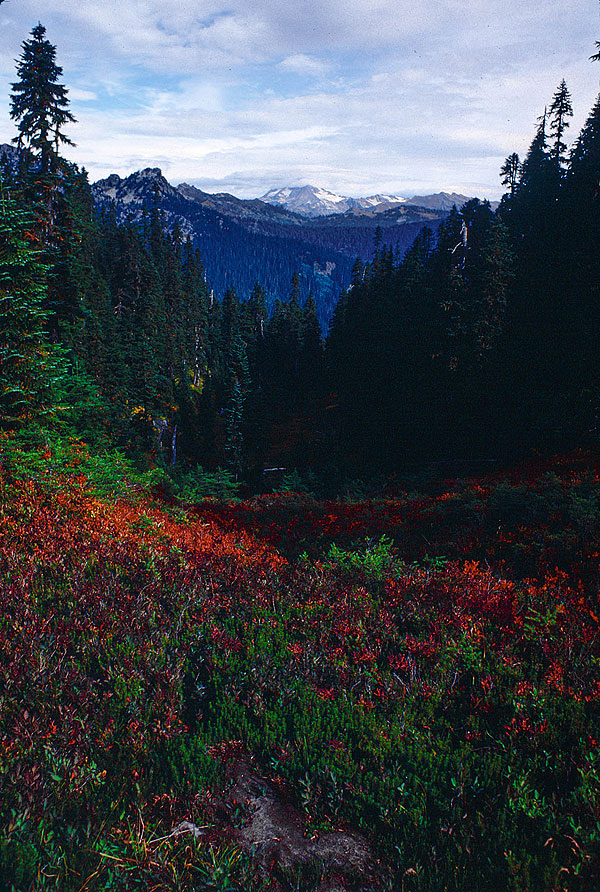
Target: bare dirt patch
{"x":277,"y":833}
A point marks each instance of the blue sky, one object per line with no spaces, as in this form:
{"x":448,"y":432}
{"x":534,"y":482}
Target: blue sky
{"x":357,"y":96}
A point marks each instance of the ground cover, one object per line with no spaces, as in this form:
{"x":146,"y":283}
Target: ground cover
{"x":284,"y":694}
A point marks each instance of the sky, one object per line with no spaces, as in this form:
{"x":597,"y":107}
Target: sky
{"x":357,"y":96}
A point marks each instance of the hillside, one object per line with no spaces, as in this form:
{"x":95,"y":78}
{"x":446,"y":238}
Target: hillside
{"x":286,"y":613}
{"x":291,"y":694}
{"x":248,"y":241}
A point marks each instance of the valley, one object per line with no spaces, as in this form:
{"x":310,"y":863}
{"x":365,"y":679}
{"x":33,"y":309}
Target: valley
{"x":247,"y":241}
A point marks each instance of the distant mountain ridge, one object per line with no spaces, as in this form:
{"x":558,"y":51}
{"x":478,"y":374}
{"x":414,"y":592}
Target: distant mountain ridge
{"x":442,"y":201}
{"x":314,"y":201}
{"x":243,"y":241}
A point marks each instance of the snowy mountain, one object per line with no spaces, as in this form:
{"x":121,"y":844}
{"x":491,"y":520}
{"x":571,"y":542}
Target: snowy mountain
{"x":245,"y":241}
{"x":310,"y":201}
{"x":313,"y":201}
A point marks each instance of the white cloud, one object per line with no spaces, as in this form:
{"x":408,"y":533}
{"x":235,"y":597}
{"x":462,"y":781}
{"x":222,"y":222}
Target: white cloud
{"x":425,"y":96}
{"x":82,"y":95}
{"x":300,"y":63}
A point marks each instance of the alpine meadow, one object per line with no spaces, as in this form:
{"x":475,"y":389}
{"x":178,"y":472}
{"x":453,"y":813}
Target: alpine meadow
{"x":299,"y":520}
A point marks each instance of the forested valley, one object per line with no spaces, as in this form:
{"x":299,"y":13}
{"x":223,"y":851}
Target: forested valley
{"x":293,"y":609}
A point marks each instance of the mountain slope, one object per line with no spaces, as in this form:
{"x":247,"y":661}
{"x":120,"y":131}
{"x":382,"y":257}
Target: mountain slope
{"x":241,"y":242}
{"x":313,"y":201}
{"x":245,"y":241}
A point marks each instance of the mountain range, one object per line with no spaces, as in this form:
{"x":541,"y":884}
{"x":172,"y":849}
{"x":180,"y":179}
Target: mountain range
{"x":306,"y":229}
{"x":248,"y":240}
{"x":313,"y":201}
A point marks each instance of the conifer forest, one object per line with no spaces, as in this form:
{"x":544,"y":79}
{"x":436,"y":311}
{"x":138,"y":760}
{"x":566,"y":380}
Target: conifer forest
{"x":295,"y":608}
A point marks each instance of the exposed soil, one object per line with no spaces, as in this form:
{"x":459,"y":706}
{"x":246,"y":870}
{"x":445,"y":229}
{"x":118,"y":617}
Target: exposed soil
{"x":276,"y":831}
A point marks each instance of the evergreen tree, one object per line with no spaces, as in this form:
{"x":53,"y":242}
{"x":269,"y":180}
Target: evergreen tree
{"x":510,"y":173}
{"x":234,"y":420}
{"x":560,"y":110}
{"x":196,"y":310}
{"x":25,"y":364}
{"x":257,"y":312}
{"x":581,"y":298}
{"x":254,"y":327}
{"x":236,"y":381}
{"x":55,"y":191}
{"x":583,"y":175}
{"x":537,"y":171}
{"x":293,"y":333}
{"x":39,"y":102}
{"x":311,"y":351}
{"x":476,"y":291}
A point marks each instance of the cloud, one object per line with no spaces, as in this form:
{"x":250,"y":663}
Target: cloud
{"x":300,"y":63}
{"x":357,"y":97}
{"x":167,"y":34}
{"x":82,"y":95}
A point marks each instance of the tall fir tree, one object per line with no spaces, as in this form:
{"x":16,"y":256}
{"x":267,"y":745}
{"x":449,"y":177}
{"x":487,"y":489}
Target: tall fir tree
{"x":510,"y":172}
{"x":561,"y":109}
{"x":39,"y":103}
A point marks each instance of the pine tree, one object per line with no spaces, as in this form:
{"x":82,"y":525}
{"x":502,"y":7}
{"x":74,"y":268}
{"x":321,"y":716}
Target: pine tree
{"x":196,"y":308}
{"x":510,"y":173}
{"x":236,"y":380}
{"x":581,"y":299}
{"x":234,"y":437}
{"x":311,"y":353}
{"x":257,"y":310}
{"x":530,"y":214}
{"x":39,"y":102}
{"x":584,"y":168}
{"x":294,"y":329}
{"x":25,"y":364}
{"x":53,"y":189}
{"x":560,"y":110}
{"x":537,"y":171}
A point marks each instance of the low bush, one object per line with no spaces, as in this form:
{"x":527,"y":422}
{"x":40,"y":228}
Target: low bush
{"x":447,"y":708}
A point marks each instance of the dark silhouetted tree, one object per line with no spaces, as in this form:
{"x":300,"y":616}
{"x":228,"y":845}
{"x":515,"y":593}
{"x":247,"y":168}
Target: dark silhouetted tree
{"x":510,"y":172}
{"x":561,"y":109}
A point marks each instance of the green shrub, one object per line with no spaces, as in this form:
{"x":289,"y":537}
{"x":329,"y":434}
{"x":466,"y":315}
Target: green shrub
{"x":378,"y":559}
{"x":193,"y":486}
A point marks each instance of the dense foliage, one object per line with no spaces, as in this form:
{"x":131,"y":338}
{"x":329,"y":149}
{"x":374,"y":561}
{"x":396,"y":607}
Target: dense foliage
{"x":434,"y":685}
{"x":481,"y":343}
{"x":24,"y":351}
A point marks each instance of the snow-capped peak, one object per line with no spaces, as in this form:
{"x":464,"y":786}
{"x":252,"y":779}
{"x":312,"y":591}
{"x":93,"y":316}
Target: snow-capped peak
{"x":310,"y":201}
{"x":315,"y":201}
